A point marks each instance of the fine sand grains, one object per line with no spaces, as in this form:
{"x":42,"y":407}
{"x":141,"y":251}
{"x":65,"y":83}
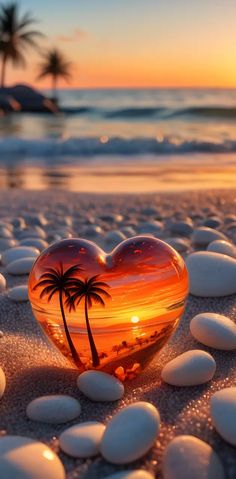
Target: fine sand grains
{"x":34,"y":368}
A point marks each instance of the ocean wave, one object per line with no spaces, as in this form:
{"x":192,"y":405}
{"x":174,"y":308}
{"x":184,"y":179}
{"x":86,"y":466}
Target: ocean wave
{"x":80,"y":148}
{"x":207,"y":111}
{"x":154,"y":112}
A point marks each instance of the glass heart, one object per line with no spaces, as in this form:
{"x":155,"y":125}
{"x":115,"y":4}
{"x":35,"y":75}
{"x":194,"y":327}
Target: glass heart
{"x":111,"y":312}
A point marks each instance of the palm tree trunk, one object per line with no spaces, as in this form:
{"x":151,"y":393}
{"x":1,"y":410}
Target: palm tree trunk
{"x":74,"y":353}
{"x":3,"y":73}
{"x":95,"y":357}
{"x":54,"y":88}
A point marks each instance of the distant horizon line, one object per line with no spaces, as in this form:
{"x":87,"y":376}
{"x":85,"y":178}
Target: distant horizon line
{"x":160,"y":87}
{"x":111,"y":87}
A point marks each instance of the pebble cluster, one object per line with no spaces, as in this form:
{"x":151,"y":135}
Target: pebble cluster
{"x":206,"y":241}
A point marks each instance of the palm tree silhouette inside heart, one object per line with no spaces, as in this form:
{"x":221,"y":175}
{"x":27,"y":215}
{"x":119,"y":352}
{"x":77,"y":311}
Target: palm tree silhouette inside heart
{"x":119,"y":330}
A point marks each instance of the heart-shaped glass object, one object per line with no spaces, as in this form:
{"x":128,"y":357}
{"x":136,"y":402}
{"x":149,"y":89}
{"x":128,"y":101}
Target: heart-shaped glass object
{"x":111,"y":312}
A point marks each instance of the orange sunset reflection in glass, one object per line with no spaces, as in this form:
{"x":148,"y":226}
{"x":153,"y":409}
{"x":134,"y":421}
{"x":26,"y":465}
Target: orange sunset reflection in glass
{"x":111,"y":312}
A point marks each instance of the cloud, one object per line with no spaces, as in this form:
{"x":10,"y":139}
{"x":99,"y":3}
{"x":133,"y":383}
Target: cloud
{"x":76,"y":36}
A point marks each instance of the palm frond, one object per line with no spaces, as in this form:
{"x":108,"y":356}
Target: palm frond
{"x":94,"y":289}
{"x":93,"y":279}
{"x":102,"y":284}
{"x":44,"y":282}
{"x":49,"y":276}
{"x":96,"y":298}
{"x":54,"y":291}
{"x":73,"y":269}
{"x":47,"y":290}
{"x":54,"y":64}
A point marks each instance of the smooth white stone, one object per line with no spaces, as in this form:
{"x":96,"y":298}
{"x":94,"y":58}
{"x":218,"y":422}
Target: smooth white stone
{"x":184,"y":228}
{"x":179,"y":244}
{"x":211,"y":274}
{"x":223,"y":413}
{"x":5,"y":232}
{"x":37,"y":219}
{"x":214,"y":330}
{"x":35,"y":232}
{"x":130,"y":433}
{"x":115,"y":237}
{"x":93,"y":231}
{"x":20,"y":266}
{"x":223,"y":247}
{"x":100,"y":386}
{"x":152,"y":227}
{"x":19,"y":293}
{"x":3,"y":283}
{"x":187,"y":457}
{"x":38,"y":243}
{"x":128,"y":231}
{"x":212,"y":222}
{"x":138,"y":474}
{"x":189,"y":369}
{"x":2,"y":382}
{"x":6,"y":243}
{"x":82,"y":440}
{"x":203,"y":236}
{"x":54,"y":409}
{"x":19,"y":252}
{"x":24,"y":458}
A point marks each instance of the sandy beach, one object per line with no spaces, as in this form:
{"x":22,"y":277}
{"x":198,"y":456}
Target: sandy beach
{"x":33,"y":367}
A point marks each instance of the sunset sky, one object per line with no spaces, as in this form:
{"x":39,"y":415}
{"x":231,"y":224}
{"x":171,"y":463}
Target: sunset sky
{"x":138,"y":43}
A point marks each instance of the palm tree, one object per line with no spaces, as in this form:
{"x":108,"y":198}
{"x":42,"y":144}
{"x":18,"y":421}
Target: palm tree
{"x":92,"y":290}
{"x":15,"y":35}
{"x":55,"y":65}
{"x":57,"y":282}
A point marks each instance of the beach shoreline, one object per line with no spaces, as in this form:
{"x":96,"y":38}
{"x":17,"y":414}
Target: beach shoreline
{"x":122,"y":175}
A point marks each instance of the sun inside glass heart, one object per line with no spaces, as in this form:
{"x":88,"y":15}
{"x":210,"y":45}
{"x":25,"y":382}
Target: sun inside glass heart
{"x":111,"y":312}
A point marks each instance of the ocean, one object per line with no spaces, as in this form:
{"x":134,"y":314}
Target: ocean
{"x":121,"y":127}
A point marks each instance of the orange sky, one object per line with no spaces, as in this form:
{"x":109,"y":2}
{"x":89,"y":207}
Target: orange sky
{"x":138,"y":44}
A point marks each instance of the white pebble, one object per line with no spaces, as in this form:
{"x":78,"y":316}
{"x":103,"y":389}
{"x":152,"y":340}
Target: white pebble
{"x":203,"y":236}
{"x":211,"y":274}
{"x":54,"y":409}
{"x":20,"y":266}
{"x":82,"y":440}
{"x":223,"y":247}
{"x":35,"y":232}
{"x":24,"y":458}
{"x":223,"y":413}
{"x":189,"y":369}
{"x":179,"y":244}
{"x":114,"y":237}
{"x":138,"y":474}
{"x":100,"y":386}
{"x":150,"y":227}
{"x":19,"y":293}
{"x":130,"y":433}
{"x":2,"y":382}
{"x":184,"y":228}
{"x":2,"y":283}
{"x":38,"y":243}
{"x":214,"y":330}
{"x":6,"y":243}
{"x":187,"y":457}
{"x":5,"y":232}
{"x":19,"y":252}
